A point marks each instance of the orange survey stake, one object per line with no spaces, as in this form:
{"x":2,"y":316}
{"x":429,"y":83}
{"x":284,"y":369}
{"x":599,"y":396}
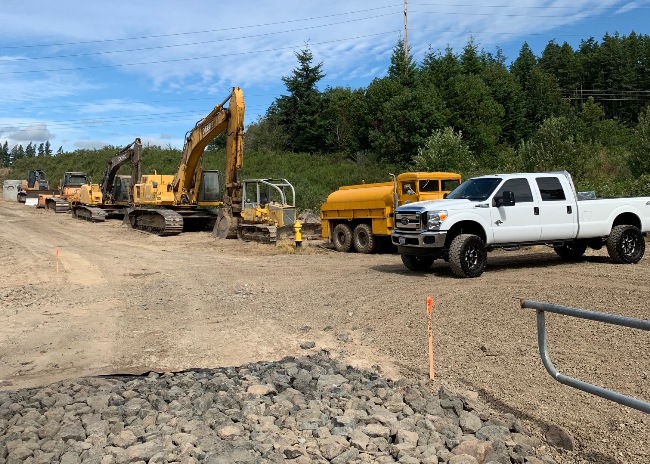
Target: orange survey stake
{"x":430,"y":335}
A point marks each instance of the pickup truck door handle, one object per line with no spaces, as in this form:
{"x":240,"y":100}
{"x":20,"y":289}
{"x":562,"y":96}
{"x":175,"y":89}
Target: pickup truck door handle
{"x":569,"y":210}
{"x":536,"y":210}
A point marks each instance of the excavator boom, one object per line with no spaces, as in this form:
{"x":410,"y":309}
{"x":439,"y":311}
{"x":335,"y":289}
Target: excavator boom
{"x":230,"y":119}
{"x":133,"y":153}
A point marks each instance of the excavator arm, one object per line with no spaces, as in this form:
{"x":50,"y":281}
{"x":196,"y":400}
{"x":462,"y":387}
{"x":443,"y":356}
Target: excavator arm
{"x":132,"y":152}
{"x":230,"y":119}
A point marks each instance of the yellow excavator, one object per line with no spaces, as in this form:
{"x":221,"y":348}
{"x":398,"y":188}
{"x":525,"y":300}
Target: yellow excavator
{"x":169,"y":204}
{"x":111,"y":197}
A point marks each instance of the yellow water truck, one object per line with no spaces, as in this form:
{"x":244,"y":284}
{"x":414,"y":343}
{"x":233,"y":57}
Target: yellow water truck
{"x":359,"y":217}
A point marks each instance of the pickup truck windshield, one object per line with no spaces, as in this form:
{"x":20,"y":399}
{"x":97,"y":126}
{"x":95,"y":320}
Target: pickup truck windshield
{"x":475,"y":189}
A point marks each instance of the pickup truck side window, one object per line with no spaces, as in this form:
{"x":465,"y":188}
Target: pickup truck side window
{"x":521,"y":189}
{"x":550,"y":188}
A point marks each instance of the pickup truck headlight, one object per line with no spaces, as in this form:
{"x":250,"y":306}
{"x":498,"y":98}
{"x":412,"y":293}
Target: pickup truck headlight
{"x":435,"y":219}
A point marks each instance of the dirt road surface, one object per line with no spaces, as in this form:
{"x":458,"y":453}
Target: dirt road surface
{"x":128,"y":302}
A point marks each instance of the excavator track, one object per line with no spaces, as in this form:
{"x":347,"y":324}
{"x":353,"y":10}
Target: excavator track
{"x":89,"y":213}
{"x":155,"y":221}
{"x":58,"y":205}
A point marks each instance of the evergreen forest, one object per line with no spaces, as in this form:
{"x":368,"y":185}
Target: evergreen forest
{"x":583,"y":110}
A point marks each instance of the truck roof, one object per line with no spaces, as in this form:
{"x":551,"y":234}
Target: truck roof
{"x":522,"y":174}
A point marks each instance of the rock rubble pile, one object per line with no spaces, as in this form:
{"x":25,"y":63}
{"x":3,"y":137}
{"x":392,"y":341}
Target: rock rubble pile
{"x":300,"y":410}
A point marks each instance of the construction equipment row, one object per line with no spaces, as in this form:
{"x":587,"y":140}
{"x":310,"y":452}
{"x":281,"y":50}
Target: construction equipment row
{"x":192,"y":199}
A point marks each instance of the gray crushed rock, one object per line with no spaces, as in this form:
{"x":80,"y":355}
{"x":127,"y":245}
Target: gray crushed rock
{"x":300,"y":410}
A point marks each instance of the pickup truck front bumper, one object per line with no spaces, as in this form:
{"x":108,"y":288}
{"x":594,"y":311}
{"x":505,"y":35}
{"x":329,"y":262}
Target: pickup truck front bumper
{"x":418,"y":243}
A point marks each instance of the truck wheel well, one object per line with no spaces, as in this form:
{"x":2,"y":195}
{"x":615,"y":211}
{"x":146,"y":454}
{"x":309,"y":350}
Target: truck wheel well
{"x":627,"y":219}
{"x":465,"y":227}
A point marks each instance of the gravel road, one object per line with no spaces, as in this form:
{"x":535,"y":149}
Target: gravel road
{"x":127,"y":302}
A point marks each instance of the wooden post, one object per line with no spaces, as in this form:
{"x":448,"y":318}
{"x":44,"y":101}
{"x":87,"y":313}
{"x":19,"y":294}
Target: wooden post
{"x":430,"y":335}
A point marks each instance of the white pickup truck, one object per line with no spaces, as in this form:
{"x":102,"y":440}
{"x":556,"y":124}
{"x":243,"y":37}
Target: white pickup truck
{"x":512,"y":210}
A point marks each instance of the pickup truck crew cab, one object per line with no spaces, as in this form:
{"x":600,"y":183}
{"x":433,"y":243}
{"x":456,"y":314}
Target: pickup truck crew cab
{"x":510,"y":210}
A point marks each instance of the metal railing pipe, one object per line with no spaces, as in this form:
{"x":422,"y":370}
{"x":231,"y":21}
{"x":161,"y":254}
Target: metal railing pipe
{"x":542,"y":308}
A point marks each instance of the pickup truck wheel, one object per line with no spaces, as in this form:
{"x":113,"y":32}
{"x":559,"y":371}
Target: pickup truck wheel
{"x":625,"y":244}
{"x":417,"y":263}
{"x":571,"y":251}
{"x":364,"y":241}
{"x":467,"y":256}
{"x":342,"y":238}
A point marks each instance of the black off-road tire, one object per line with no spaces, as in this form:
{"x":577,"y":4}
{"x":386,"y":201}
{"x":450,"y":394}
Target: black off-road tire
{"x":342,"y":238}
{"x":571,"y":251}
{"x":626,"y":244}
{"x":417,"y":263}
{"x":364,"y":241}
{"x":467,"y":256}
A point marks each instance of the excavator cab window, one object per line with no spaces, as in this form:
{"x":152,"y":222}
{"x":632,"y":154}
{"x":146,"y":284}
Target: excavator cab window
{"x":210,"y":188}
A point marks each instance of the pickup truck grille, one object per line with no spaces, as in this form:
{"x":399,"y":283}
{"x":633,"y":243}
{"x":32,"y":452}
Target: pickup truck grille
{"x":409,"y":220}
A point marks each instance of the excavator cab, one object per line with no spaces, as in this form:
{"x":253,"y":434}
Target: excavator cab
{"x":210,"y":187}
{"x":121,"y":190}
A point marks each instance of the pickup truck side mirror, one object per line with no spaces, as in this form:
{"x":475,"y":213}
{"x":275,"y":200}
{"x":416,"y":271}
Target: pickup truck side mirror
{"x":506,"y":199}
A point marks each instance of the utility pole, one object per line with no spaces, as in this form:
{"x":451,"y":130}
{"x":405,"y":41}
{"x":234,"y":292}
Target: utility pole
{"x":406,"y":32}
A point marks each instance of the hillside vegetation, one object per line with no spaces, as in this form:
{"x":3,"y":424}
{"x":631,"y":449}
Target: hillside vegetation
{"x":583,"y":110}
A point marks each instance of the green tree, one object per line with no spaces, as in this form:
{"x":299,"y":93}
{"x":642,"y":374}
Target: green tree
{"x":60,"y":150}
{"x":561,"y":62}
{"x":402,"y":67}
{"x":5,"y":159}
{"x":41,"y":149}
{"x":17,"y":152}
{"x":476,"y":114}
{"x":444,"y":150}
{"x":299,"y":112}
{"x":48,"y":148}
{"x":30,"y":150}
{"x":639,"y":160}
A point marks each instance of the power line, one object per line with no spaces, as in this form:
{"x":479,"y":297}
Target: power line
{"x":159,"y":47}
{"x":522,"y":7}
{"x":176,"y":60}
{"x":177,"y":34}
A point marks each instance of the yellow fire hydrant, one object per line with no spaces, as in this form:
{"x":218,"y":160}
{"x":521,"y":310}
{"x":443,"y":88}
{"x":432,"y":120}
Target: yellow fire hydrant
{"x":297,"y":230}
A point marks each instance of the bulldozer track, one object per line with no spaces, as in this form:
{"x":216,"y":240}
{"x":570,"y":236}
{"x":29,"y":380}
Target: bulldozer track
{"x":160,"y":221}
{"x":58,"y":205}
{"x":89,"y":213}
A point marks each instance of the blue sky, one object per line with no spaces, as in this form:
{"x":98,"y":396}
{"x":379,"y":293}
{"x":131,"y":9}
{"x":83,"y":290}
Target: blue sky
{"x":85,"y":74}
